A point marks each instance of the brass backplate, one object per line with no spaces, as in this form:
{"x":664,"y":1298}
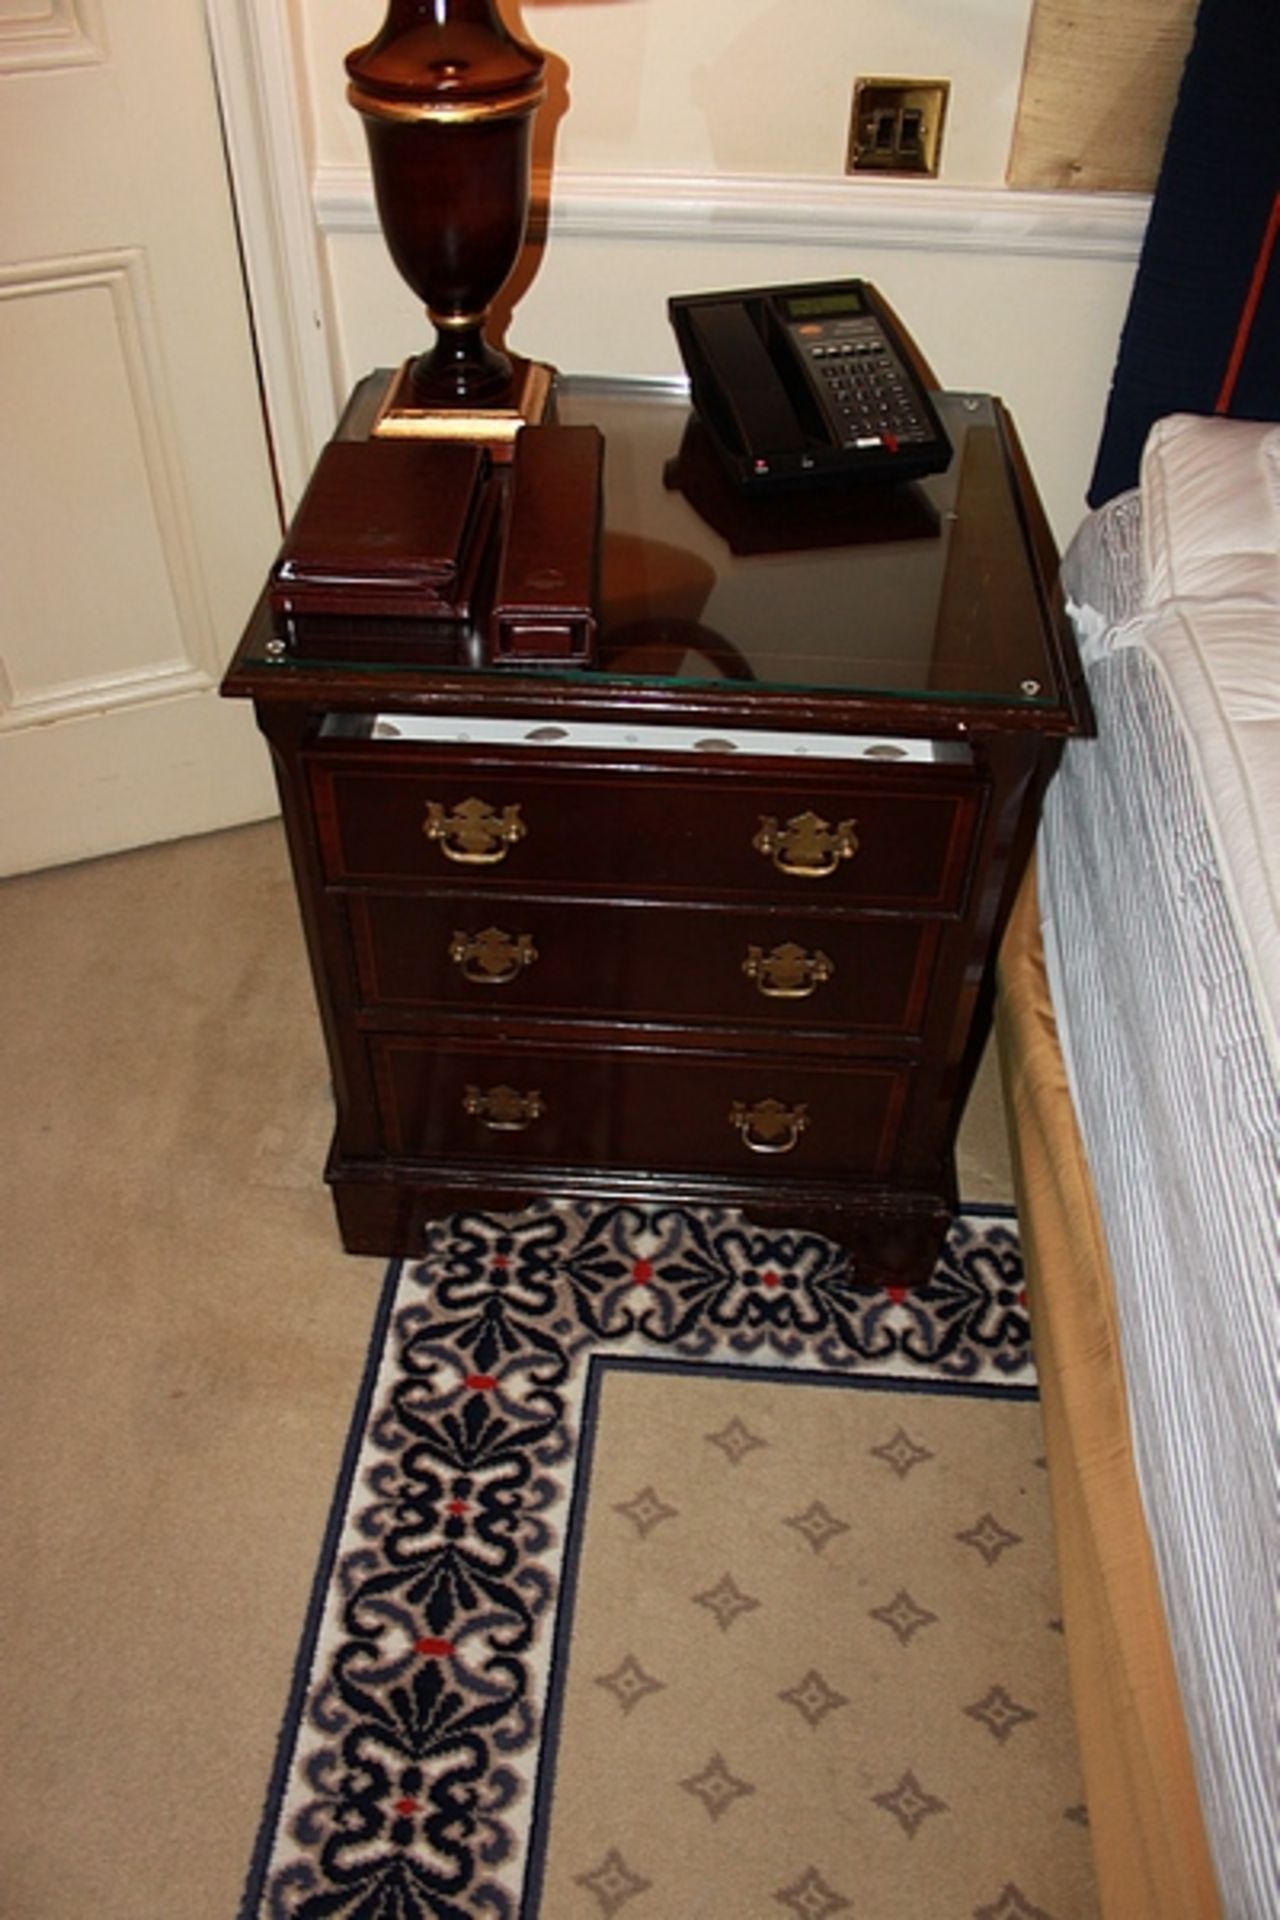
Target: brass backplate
{"x":474,"y":834}
{"x":896,"y":126}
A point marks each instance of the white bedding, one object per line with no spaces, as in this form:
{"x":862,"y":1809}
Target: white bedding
{"x":1158,"y":883}
{"x":1211,"y":598}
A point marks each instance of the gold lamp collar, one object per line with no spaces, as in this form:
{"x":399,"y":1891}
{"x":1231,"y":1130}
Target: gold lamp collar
{"x":449,"y":109}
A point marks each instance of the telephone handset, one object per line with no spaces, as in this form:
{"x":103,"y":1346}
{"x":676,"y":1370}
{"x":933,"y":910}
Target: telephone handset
{"x":805,"y":384}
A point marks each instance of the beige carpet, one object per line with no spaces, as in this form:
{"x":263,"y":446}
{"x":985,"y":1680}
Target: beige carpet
{"x":183,"y":1345}
{"x":813,"y":1660}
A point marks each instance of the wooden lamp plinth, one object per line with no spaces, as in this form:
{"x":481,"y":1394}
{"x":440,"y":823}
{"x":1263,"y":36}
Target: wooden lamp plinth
{"x":404,"y":415}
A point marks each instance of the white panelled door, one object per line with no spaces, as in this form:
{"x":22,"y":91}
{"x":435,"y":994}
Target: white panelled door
{"x":137,"y":509}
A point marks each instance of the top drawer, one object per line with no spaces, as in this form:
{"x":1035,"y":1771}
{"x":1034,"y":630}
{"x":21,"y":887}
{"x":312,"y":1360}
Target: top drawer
{"x":891,"y":836}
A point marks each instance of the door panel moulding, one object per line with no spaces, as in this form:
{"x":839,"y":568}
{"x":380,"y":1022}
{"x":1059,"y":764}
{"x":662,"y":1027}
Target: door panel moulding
{"x":128,"y":362}
{"x":68,"y":33}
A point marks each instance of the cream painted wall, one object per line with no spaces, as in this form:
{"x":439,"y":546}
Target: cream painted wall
{"x":730,"y":86}
{"x":701,"y":144}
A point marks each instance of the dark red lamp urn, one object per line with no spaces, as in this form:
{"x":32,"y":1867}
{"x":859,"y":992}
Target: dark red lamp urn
{"x":447,"y":95}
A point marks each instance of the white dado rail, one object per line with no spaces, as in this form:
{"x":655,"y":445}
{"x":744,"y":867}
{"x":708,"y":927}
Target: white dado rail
{"x":798,"y":211}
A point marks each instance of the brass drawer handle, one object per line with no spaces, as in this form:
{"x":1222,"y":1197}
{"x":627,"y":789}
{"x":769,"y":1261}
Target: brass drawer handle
{"x":788,"y":973}
{"x":492,"y":958}
{"x":473,"y":833}
{"x":808,"y":847}
{"x":502,"y":1109}
{"x":768,"y":1126}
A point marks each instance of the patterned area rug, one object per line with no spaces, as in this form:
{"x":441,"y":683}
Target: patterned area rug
{"x":674,"y":1574}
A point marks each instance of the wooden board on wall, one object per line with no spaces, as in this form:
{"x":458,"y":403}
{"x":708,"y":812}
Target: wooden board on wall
{"x":1098,"y":89}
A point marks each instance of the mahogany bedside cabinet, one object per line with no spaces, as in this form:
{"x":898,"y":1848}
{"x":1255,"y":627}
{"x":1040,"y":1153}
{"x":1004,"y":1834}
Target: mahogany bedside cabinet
{"x":713,"y":918}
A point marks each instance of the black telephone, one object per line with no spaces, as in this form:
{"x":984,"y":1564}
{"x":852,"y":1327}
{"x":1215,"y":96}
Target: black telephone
{"x":804,"y":384}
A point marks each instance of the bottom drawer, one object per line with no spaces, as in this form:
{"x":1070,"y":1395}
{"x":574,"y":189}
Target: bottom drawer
{"x":649,"y":1111}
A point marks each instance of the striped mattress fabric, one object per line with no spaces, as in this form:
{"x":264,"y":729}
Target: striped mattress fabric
{"x":1153,"y":833}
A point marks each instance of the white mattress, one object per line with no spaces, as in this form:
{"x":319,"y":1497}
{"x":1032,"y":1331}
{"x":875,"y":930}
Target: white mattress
{"x":1157,"y":870}
{"x":1211,"y":599}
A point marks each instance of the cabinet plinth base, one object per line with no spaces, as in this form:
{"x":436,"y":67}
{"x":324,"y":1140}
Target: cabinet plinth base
{"x":892,"y":1238}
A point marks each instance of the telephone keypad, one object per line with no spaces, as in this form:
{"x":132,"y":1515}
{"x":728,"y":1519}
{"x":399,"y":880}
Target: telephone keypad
{"x":858,"y":382}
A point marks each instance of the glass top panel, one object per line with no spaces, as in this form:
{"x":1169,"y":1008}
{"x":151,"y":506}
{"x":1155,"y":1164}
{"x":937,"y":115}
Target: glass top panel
{"x":922,"y":589}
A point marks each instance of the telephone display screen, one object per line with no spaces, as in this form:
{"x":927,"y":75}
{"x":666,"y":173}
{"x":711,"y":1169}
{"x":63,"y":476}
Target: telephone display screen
{"x":823,"y":306}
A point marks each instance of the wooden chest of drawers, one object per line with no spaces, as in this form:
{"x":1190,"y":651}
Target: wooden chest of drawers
{"x":557,"y":956}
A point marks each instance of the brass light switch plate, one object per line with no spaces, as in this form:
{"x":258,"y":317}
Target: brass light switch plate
{"x":897,"y":126}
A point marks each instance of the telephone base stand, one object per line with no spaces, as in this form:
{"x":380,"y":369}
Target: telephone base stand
{"x":401,"y":417}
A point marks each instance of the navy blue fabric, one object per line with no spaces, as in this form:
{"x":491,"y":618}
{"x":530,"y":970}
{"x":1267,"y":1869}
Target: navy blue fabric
{"x":1209,"y":218}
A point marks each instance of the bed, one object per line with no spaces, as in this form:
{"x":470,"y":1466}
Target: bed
{"x":1139,"y":1014}
{"x":1139,"y":1025}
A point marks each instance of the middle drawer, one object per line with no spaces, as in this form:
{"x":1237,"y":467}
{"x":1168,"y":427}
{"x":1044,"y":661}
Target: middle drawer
{"x":487,"y":954}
